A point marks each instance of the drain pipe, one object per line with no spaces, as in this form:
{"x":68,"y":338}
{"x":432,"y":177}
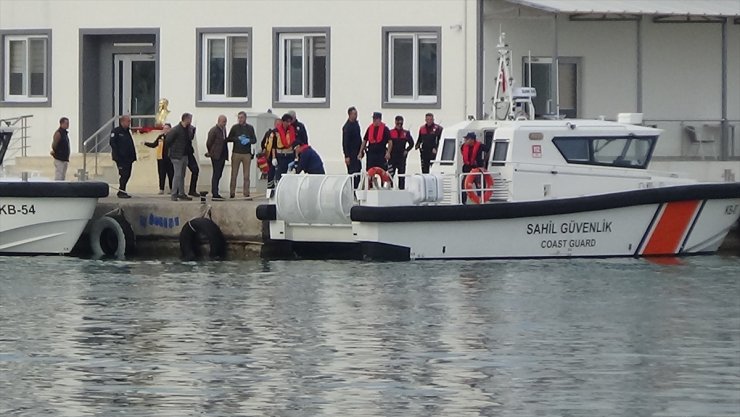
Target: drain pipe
{"x":479,"y":61}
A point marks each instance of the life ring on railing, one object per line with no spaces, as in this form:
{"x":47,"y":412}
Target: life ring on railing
{"x":112,"y":236}
{"x":380,"y":172}
{"x":470,"y":185}
{"x":197,"y":232}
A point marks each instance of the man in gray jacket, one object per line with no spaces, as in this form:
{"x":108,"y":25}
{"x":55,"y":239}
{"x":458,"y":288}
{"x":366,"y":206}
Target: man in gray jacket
{"x":178,"y":142}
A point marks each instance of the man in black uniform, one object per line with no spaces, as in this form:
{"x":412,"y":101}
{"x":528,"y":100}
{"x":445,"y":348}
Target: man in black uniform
{"x":376,"y":142}
{"x":60,"y":150}
{"x":351,"y":142}
{"x":428,"y":141}
{"x":123,"y":152}
{"x":193,"y":164}
{"x":402,"y":144}
{"x":301,"y":134}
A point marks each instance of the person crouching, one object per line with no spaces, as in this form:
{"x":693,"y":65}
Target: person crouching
{"x":309,"y":160}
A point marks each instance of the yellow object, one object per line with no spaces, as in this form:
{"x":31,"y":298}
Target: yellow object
{"x":162,"y":112}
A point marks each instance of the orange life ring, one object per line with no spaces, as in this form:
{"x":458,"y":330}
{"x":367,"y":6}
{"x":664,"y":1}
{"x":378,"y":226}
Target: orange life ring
{"x":470,"y":185}
{"x":372,"y":172}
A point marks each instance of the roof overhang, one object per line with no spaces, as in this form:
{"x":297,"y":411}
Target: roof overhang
{"x":661,"y":11}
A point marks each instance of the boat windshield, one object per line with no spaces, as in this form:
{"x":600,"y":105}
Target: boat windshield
{"x":626,"y":152}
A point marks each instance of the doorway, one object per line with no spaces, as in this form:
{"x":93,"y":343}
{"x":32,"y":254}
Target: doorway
{"x":568,"y":84}
{"x":134,"y":86}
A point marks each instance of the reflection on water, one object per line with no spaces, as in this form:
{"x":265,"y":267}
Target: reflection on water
{"x":575,"y":338}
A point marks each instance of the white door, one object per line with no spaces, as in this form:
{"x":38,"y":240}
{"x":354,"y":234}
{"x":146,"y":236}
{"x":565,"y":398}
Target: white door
{"x":134,"y":86}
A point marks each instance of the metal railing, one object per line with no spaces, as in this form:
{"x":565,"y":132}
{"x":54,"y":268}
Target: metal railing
{"x":698,"y":139}
{"x":96,"y":145}
{"x":19,"y":142}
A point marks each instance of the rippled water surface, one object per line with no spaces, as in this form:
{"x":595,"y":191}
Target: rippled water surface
{"x":515,"y":338}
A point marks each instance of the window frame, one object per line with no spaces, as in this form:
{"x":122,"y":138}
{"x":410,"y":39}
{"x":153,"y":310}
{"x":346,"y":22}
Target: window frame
{"x":6,"y":100}
{"x":416,"y":101}
{"x":590,"y":140}
{"x":279,"y":35}
{"x":203,"y":99}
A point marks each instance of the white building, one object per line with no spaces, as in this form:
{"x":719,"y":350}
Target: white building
{"x":678,"y":62}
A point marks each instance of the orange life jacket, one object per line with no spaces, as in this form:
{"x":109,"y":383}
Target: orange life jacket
{"x":470,"y":154}
{"x":286,"y":138}
{"x":378,"y":138}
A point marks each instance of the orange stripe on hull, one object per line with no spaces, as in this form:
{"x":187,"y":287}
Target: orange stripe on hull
{"x":671,"y":228}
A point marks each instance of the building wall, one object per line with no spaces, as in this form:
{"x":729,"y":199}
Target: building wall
{"x":355,"y":58}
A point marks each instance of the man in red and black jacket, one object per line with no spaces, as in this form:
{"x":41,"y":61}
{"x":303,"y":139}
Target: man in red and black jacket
{"x":402,"y":144}
{"x":428,"y":141}
{"x":377,"y":144}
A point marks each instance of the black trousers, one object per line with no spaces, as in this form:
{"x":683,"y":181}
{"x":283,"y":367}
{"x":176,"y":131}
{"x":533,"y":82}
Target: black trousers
{"x":194,"y":171}
{"x":377,"y":160}
{"x":426,"y":162}
{"x":355,"y":166}
{"x":165,"y":171}
{"x":124,"y":174}
{"x":218,"y":170}
{"x":399,"y":166}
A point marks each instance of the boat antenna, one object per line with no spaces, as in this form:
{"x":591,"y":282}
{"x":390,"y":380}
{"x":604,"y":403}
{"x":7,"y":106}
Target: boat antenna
{"x":511,"y":103}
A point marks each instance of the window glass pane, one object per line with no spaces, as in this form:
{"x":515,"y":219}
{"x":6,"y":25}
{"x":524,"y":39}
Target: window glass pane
{"x":238,"y":53}
{"x":17,"y":50}
{"x":427,"y":67}
{"x":567,"y":76}
{"x":573,"y":149}
{"x":402,"y":66}
{"x":294,"y":67}
{"x":37,"y":64}
{"x":499,"y":151}
{"x":448,"y":150}
{"x":216,"y":60}
{"x":318,"y":67}
{"x":607,"y":151}
{"x":541,"y":82}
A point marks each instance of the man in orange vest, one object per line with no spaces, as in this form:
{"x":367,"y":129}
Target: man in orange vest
{"x":472,"y":156}
{"x":377,"y":144}
{"x":282,"y":152}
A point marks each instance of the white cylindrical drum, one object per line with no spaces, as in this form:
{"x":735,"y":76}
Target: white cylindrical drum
{"x":425,"y":188}
{"x":314,"y":199}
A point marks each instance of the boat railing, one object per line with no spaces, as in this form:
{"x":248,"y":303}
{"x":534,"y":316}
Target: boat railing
{"x":19,"y":142}
{"x":99,"y":142}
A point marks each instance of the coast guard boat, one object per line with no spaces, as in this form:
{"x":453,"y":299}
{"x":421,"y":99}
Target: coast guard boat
{"x":551,"y":188}
{"x":43,"y":217}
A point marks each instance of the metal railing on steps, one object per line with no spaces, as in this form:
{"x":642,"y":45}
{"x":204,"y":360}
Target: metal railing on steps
{"x":95,"y":145}
{"x":19,"y":141}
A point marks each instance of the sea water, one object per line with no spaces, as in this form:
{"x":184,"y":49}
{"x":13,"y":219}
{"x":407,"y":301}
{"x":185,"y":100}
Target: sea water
{"x":616,"y":337}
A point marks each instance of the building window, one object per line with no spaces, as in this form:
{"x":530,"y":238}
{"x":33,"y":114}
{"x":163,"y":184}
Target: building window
{"x":224,"y":68}
{"x":25,"y":68}
{"x":411,"y":66}
{"x":302,"y":66}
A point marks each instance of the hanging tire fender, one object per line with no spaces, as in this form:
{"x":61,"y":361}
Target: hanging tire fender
{"x":112,"y":236}
{"x":198,"y":231}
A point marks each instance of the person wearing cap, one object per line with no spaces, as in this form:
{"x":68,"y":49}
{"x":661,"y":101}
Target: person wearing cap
{"x":300,"y":129}
{"x":282,"y":152}
{"x":243,"y":137}
{"x":351,"y":142}
{"x":268,"y":143}
{"x":376,"y":144}
{"x":472,"y":156}
{"x":402,"y":143}
{"x":428,"y":142}
{"x":309,"y":160}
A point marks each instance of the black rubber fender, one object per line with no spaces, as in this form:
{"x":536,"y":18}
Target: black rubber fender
{"x":197,"y":232}
{"x":112,"y":236}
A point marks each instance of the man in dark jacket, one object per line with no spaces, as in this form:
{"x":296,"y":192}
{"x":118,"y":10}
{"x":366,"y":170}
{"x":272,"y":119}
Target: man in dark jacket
{"x":193,"y":163}
{"x":301,"y":134}
{"x":179,"y":143}
{"x":218,"y":152}
{"x":60,"y":150}
{"x":243,"y":136}
{"x":351,"y":142}
{"x":123,"y":152}
{"x":308,"y":160}
{"x":402,"y":144}
{"x":428,"y":141}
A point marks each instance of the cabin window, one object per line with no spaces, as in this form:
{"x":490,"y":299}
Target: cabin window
{"x":302,"y":66}
{"x":411,"y":67}
{"x":26,"y":67}
{"x":629,"y":152}
{"x":224,"y":66}
{"x":500,"y":149}
{"x":448,"y":152}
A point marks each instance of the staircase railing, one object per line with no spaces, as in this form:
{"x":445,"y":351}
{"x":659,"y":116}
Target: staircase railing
{"x":98,"y":143}
{"x":19,"y":142}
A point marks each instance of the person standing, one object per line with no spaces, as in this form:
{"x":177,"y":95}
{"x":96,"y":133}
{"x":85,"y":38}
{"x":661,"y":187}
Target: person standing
{"x":282,"y":152}
{"x":60,"y":150}
{"x":178,"y":142}
{"x":268,"y":143}
{"x":164,"y":164}
{"x":243,"y":136}
{"x":402,"y":144}
{"x":376,"y":143}
{"x":351,"y":142}
{"x":218,"y":152}
{"x":193,"y":163}
{"x":123,"y":152}
{"x":309,"y":160}
{"x":301,"y":134}
{"x":428,"y":142}
{"x":472,"y":156}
